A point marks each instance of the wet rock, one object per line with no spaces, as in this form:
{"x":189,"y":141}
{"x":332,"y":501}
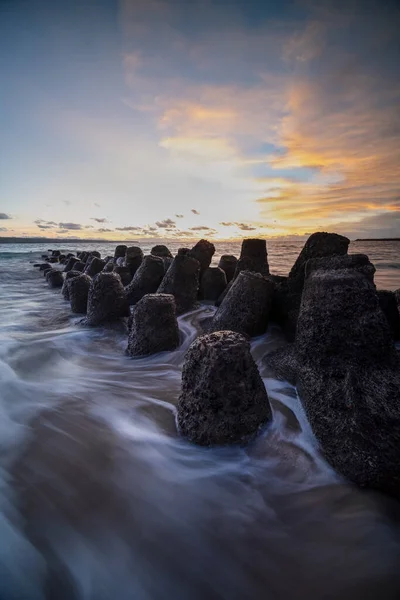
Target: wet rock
{"x":56,"y":253}
{"x":228,"y":263}
{"x":47,"y":271}
{"x":68,"y":276}
{"x":70,"y":264}
{"x":120,"y":262}
{"x":182,"y":281}
{"x":223,"y":398}
{"x":53,"y":259}
{"x":78,"y":288}
{"x":167,"y":263}
{"x":123,"y":272}
{"x":154,"y":327}
{"x":203,"y":251}
{"x":253,"y":257}
{"x":161,"y":251}
{"x":397,"y":296}
{"x":79,"y":266}
{"x":120,"y":251}
{"x":388,"y":304}
{"x":246,"y":307}
{"x":70,"y":255}
{"x":107,"y":300}
{"x":109,"y":266}
{"x":44,"y":266}
{"x":213,"y":283}
{"x":348,"y":377}
{"x":146,"y":280}
{"x":354,"y":262}
{"x":55,"y":279}
{"x":95,"y":266}
{"x":96,"y":253}
{"x":133,"y":259}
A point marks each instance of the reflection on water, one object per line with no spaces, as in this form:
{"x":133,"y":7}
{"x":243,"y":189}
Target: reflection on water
{"x":100,"y":499}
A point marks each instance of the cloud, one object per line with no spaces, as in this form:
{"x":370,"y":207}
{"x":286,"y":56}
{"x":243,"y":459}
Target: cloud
{"x":74,"y":226}
{"x":179,"y":216}
{"x":202,"y":228}
{"x":45,"y":226}
{"x":4,"y":216}
{"x":3,"y":229}
{"x":104,"y":230}
{"x":227,"y":223}
{"x":194,"y":211}
{"x":167,"y":223}
{"x":130,"y":228}
{"x":62,"y":231}
{"x":242,"y":226}
{"x":103,"y":220}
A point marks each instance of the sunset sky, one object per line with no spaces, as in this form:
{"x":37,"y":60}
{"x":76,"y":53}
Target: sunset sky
{"x":199,"y":118}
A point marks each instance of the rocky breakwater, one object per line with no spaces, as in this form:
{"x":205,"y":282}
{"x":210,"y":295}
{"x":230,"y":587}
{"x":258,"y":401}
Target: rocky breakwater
{"x":146,"y":279}
{"x":107,"y":299}
{"x":182,"y":281}
{"x":347,"y":371}
{"x":223,"y":398}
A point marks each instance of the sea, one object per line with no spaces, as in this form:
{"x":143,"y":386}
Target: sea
{"x":101,"y":499}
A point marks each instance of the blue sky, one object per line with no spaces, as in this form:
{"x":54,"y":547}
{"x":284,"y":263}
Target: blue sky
{"x":279,"y":118}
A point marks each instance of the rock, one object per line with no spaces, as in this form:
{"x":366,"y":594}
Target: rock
{"x":203,"y":251}
{"x":388,"y":304}
{"x":134,"y":258}
{"x":56,"y":253}
{"x":354,"y":262}
{"x":46,"y":271}
{"x":247,"y":305}
{"x":107,"y":299}
{"x":213,"y":283}
{"x":253,"y":257}
{"x":95,"y":266}
{"x":68,"y":276}
{"x":78,"y":288}
{"x":167,"y":263}
{"x":228,"y":263}
{"x":348,"y":377}
{"x":70,"y":264}
{"x":123,"y":272}
{"x":96,"y":254}
{"x":70,"y":255}
{"x":120,"y":251}
{"x":146,"y":280}
{"x":223,"y":398}
{"x":154,"y":326}
{"x":397,"y":296}
{"x":79,"y":266}
{"x":109,"y":266}
{"x":55,"y":279}
{"x":44,"y":266}
{"x":182,"y":281}
{"x":53,"y":259}
{"x":161,"y":251}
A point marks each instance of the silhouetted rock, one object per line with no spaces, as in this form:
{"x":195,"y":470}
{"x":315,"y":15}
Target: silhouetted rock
{"x":107,"y":299}
{"x":203,"y":251}
{"x":247,"y":305}
{"x":182,"y":281}
{"x":56,"y":253}
{"x":68,"y":276}
{"x":95,"y":266}
{"x":123,"y":272}
{"x":133,"y":259}
{"x":70,"y":264}
{"x":147,"y":279}
{"x":78,"y":289}
{"x":70,"y":255}
{"x":154,"y":327}
{"x":95,"y":253}
{"x":44,"y":266}
{"x":55,"y":279}
{"x":213,"y":283}
{"x":120,"y":251}
{"x":53,"y":259}
{"x":46,"y":271}
{"x":84,"y":256}
{"x":161,"y":251}
{"x":388,"y":304}
{"x":109,"y":266}
{"x":223,"y":398}
{"x":79,"y":266}
{"x":228,"y":263}
{"x":253,"y":257}
{"x":167,"y":263}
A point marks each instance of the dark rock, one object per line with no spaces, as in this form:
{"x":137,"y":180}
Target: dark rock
{"x":213,"y":283}
{"x":228,"y":263}
{"x":203,"y":251}
{"x":120,"y":262}
{"x":70,"y":255}
{"x":167,"y":263}
{"x":182,"y":281}
{"x":55,"y":279}
{"x":96,"y":253}
{"x":109,"y":266}
{"x":95,"y":266}
{"x":107,"y":299}
{"x":354,"y":262}
{"x":84,"y":256}
{"x":388,"y":304}
{"x":46,"y":271}
{"x":124,"y":273}
{"x":253,"y":257}
{"x":222,"y":297}
{"x":37,"y":264}
{"x":348,"y":377}
{"x":78,"y":288}
{"x":79,"y":266}
{"x":56,"y":253}
{"x":53,"y":259}
{"x":154,"y":327}
{"x":68,"y":276}
{"x":397,"y":296}
{"x":70,"y":264}
{"x":147,"y":279}
{"x":161,"y":251}
{"x":120,"y":251}
{"x":247,"y":305}
{"x":44,"y":266}
{"x":133,"y":259}
{"x":223,"y":398}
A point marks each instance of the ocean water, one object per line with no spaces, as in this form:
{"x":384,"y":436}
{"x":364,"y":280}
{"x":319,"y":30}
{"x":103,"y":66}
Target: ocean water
{"x":100,"y":499}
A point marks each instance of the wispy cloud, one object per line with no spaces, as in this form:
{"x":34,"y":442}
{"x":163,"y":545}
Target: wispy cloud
{"x":4,"y":216}
{"x":194,"y":211}
{"x":166,"y":224}
{"x":101,"y":220}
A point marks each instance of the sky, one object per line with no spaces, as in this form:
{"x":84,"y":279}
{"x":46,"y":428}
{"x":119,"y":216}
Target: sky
{"x":209,"y":118}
